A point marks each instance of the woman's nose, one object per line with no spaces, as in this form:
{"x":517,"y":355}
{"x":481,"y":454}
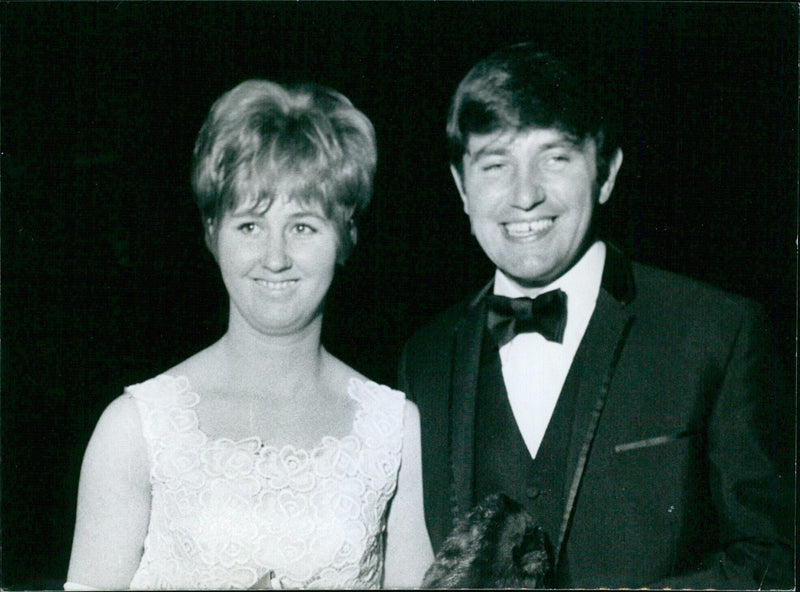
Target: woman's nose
{"x":275,"y":254}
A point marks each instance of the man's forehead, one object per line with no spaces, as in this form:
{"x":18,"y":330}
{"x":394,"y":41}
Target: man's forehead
{"x":503,"y":139}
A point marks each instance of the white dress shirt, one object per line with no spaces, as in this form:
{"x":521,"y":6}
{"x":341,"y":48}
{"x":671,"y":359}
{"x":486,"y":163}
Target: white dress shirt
{"x":534,"y":369}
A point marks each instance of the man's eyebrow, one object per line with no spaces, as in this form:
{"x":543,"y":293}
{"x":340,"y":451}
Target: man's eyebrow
{"x":494,"y":149}
{"x":566,"y":140}
{"x":488,"y":150}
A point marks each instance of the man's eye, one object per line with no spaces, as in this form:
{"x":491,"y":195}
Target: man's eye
{"x":247,"y":228}
{"x":558,"y":160}
{"x":493,"y":166}
{"x":303,"y":228}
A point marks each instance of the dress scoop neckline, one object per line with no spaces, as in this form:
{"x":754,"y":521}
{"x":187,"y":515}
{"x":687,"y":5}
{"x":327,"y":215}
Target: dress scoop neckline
{"x":183,"y":386}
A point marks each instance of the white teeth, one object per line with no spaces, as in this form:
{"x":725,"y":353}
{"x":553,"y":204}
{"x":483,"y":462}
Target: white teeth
{"x":526,"y":228}
{"x":276,"y":285}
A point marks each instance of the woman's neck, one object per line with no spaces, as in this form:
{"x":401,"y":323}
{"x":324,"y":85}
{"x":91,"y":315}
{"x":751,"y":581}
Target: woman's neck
{"x":287,"y":363}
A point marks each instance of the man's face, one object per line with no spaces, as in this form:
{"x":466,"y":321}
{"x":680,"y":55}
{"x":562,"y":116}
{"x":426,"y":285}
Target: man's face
{"x":531,"y":197}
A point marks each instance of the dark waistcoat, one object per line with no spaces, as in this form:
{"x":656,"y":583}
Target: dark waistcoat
{"x":503,"y":462}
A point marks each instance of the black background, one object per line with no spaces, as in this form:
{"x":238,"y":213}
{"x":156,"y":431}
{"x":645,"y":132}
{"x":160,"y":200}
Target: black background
{"x":105,"y":278}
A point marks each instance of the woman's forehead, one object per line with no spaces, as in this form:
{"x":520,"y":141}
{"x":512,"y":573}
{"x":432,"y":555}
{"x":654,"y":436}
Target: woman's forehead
{"x":260,"y":204}
{"x":256,"y":189}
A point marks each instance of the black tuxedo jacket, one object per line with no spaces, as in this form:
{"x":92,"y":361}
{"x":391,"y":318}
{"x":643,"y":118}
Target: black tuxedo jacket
{"x":672,"y":472}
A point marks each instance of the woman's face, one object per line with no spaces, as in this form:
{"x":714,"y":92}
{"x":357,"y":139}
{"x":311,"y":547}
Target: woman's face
{"x":277,"y":264}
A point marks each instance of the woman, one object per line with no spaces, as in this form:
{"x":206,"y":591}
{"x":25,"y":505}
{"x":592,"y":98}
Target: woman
{"x":262,"y":461}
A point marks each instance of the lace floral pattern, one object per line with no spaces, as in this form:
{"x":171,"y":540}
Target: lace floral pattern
{"x":225,"y":513}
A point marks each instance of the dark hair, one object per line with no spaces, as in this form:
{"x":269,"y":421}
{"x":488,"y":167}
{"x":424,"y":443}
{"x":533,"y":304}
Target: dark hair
{"x":520,"y":88}
{"x":306,"y":142}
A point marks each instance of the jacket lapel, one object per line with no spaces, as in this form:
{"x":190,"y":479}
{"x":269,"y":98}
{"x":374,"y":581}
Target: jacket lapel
{"x":594,"y":363}
{"x":463,"y":393}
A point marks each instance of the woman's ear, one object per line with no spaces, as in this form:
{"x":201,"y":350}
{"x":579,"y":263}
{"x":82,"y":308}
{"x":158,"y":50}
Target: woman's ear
{"x":346,"y":250}
{"x":210,"y":236}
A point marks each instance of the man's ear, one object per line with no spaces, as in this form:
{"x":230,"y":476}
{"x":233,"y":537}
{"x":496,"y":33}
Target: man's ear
{"x":459,"y":180}
{"x":613,"y":169}
{"x":353,"y":230}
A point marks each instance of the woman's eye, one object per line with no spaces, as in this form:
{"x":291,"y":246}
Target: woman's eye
{"x":247,"y":228}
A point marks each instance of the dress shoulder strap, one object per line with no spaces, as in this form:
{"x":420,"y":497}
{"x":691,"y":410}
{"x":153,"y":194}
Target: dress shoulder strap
{"x":164,"y":391}
{"x":380,"y":420}
{"x":166,"y":407}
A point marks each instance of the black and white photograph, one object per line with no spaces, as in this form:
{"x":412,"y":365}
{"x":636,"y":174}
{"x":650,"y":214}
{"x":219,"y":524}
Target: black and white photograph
{"x":407,"y":294}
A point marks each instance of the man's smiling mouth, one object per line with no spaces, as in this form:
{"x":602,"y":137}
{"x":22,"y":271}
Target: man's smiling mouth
{"x":528,"y":228}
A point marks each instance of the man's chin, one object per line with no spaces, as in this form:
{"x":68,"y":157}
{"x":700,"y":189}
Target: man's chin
{"x":530,"y":273}
{"x":527,"y":278}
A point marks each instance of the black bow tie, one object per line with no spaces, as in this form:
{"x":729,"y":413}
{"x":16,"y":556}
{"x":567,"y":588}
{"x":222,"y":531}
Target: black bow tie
{"x":545,"y":314}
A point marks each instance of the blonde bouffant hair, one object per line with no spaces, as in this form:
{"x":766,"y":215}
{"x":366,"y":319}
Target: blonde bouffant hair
{"x":263,"y":140}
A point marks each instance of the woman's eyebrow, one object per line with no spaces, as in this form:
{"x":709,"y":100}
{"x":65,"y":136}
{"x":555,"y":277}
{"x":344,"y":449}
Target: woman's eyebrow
{"x":243,"y":214}
{"x":308,"y":213}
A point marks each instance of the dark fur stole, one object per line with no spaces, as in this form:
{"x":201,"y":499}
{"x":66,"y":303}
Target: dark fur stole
{"x":496,"y":545}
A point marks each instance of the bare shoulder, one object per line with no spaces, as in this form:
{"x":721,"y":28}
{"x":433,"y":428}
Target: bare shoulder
{"x":202,"y":368}
{"x":340,"y":374}
{"x":117,"y":447}
{"x":411,"y":417}
{"x":410,"y":410}
{"x":120,"y":418}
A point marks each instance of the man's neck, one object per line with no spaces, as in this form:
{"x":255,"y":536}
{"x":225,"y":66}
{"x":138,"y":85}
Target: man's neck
{"x":587,"y":265}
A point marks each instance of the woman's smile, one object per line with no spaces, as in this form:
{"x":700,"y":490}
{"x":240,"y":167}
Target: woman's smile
{"x":281,"y":286}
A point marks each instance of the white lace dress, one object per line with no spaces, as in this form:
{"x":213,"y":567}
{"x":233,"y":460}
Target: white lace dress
{"x":225,"y":513}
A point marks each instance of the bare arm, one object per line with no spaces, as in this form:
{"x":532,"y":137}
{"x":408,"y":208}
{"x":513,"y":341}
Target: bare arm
{"x":113,"y":501}
{"x":408,"y":547}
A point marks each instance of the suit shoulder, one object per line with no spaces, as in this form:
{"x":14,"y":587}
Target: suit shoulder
{"x":427,"y":355}
{"x":667,"y":287}
{"x":681,"y":301}
{"x":442,"y":326}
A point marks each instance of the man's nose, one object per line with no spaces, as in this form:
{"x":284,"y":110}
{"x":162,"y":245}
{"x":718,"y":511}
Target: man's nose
{"x":528,"y":192}
{"x":275,"y":254}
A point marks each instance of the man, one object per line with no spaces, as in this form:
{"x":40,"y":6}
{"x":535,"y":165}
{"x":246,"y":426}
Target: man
{"x":629,"y":410}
